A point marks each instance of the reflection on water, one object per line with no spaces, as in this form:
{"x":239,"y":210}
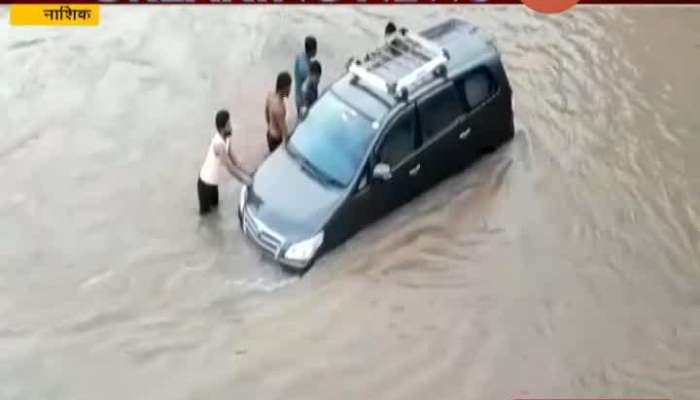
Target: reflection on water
{"x":564,"y":264}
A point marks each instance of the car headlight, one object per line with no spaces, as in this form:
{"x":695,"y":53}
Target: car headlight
{"x":304,"y":250}
{"x":242,"y":198}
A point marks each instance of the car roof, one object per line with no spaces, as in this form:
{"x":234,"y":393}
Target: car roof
{"x":374,"y":105}
{"x":464,"y":42}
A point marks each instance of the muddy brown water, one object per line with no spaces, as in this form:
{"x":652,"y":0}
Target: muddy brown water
{"x":566,"y":264}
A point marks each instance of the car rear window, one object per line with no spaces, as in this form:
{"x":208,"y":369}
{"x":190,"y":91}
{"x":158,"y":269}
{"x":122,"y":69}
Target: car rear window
{"x":478,"y":87}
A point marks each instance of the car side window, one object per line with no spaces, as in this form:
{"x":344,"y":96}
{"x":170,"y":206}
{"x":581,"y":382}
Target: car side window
{"x":479,"y":86}
{"x":440,"y":110}
{"x":399,"y":141}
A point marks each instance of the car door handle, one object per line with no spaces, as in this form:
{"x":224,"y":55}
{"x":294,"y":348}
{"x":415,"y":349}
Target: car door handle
{"x":414,"y":171}
{"x":464,"y":134}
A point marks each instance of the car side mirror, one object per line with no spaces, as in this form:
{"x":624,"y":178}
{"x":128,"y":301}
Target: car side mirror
{"x":382,"y":172}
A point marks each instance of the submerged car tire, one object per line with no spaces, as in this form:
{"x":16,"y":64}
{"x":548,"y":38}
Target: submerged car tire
{"x":303,"y":271}
{"x":299,"y":271}
{"x":489,"y":149}
{"x":492,"y":148}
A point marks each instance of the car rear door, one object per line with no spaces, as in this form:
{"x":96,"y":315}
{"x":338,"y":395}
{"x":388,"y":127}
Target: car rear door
{"x":443,"y":121}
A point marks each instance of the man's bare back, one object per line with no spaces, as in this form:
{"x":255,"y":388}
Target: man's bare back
{"x":276,"y":113}
{"x":276,"y":117}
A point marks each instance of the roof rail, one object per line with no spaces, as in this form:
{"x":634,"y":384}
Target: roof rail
{"x":396,"y":67}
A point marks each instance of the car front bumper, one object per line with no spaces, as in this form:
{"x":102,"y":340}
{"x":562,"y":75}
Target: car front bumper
{"x":271,"y":250}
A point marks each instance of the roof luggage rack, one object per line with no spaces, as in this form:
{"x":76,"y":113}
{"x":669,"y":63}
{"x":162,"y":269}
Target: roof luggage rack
{"x":396,"y":67}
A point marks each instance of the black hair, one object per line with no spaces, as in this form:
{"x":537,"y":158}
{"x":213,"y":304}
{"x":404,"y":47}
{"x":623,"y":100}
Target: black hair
{"x":390,"y":29}
{"x":315,"y":68}
{"x":284,"y":81}
{"x":310,"y":46}
{"x":222,"y":117}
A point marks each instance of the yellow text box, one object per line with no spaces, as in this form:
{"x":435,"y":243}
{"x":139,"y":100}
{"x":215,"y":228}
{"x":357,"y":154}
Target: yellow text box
{"x":55,"y":14}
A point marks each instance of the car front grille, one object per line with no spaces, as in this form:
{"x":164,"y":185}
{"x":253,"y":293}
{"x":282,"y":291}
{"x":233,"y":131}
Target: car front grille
{"x":262,"y":235}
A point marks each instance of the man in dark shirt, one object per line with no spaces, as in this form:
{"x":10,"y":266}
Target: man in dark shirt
{"x":301,"y":68}
{"x":309,"y":90}
{"x":389,"y":30}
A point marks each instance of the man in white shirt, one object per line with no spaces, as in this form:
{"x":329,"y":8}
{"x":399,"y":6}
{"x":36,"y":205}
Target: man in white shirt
{"x":219,"y":166}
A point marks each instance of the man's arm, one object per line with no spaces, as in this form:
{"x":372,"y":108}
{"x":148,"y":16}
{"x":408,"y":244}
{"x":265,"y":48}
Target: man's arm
{"x":232,"y":164}
{"x":296,"y":82}
{"x":310,"y":96}
{"x":304,"y":105}
{"x":296,"y":68}
{"x":279,"y":118}
{"x":283,"y":124}
{"x":267,"y":111}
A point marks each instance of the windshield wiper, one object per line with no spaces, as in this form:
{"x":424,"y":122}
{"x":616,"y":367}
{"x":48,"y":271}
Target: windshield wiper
{"x":320,"y":175}
{"x":311,"y":169}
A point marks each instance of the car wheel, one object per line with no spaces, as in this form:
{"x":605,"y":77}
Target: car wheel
{"x":489,"y":149}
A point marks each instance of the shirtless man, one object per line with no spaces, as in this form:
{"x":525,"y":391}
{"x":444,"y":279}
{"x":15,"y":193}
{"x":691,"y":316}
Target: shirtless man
{"x":276,"y":113}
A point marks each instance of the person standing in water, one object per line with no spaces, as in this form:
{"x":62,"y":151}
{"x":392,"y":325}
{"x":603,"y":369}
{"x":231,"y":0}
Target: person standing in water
{"x":276,"y":112}
{"x":309,"y":90}
{"x":389,"y":31}
{"x":301,"y":69}
{"x":219,"y":165}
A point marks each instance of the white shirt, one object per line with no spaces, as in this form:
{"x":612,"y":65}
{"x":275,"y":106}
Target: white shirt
{"x":213,"y":171}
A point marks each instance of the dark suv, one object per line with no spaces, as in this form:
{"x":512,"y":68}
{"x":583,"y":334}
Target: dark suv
{"x":406,"y":116}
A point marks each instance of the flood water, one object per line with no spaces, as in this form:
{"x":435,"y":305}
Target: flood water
{"x":565,"y":264}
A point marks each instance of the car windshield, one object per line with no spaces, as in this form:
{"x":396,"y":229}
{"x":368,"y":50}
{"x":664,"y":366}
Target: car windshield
{"x":333,"y":140}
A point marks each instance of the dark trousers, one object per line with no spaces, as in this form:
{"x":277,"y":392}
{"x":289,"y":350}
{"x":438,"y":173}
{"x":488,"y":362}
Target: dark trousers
{"x":272,"y":143}
{"x":208,"y":196}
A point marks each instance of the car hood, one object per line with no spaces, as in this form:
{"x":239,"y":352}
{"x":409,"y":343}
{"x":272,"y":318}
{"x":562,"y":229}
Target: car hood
{"x":289,"y":200}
